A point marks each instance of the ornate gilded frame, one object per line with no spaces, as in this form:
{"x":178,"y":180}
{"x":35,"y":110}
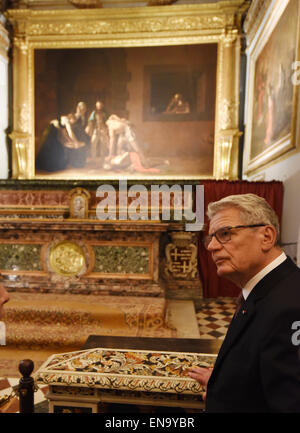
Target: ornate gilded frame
{"x":261,"y":22}
{"x":128,"y":27}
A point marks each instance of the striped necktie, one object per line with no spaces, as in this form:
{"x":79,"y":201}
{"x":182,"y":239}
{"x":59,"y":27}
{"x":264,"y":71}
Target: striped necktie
{"x":240,"y":300}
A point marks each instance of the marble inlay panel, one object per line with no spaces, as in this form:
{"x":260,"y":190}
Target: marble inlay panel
{"x":25,"y":199}
{"x":118,"y":258}
{"x":121,"y":259}
{"x":132,"y":370}
{"x":60,"y":199}
{"x":22,"y":257}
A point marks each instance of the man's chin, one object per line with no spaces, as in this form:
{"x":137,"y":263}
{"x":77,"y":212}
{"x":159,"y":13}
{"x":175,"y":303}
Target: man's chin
{"x":223,"y":270}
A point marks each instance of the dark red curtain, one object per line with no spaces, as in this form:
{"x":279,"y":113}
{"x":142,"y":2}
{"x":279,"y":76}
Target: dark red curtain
{"x":214,"y":286}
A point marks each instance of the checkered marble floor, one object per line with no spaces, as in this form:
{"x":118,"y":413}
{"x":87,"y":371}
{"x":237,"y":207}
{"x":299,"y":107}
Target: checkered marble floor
{"x":6,"y":388}
{"x":213,"y":319}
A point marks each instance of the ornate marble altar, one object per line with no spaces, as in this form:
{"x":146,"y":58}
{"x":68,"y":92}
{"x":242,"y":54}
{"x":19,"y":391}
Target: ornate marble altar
{"x":46,"y":246}
{"x":82,"y":380}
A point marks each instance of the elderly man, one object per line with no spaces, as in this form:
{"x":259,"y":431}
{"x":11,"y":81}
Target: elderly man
{"x":258,"y":366}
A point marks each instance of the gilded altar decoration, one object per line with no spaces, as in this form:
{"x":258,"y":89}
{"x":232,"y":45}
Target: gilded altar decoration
{"x":79,"y":203}
{"x":160,"y":2}
{"x":67,"y":259}
{"x":181,"y":256}
{"x":228,"y":114}
{"x":4,"y":42}
{"x":82,"y":4}
{"x":23,"y":118}
{"x":21,"y":152}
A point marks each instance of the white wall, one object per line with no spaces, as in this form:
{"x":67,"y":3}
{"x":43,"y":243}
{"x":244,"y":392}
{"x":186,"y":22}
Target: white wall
{"x":288,"y":171}
{"x":3,"y":108}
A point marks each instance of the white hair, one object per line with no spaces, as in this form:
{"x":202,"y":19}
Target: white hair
{"x":253,"y":210}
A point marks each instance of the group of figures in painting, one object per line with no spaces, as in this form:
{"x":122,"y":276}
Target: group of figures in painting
{"x":108,"y":141}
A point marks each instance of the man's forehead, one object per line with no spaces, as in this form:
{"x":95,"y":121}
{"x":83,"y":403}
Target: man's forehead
{"x":225,"y":217}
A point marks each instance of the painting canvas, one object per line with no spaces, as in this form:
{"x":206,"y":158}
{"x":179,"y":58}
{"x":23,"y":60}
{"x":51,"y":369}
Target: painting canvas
{"x":274,"y":95}
{"x":125,"y":112}
{"x":173,"y":93}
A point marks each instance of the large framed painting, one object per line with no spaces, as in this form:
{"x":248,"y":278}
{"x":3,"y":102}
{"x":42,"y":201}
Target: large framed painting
{"x":126,"y":93}
{"x":124,"y":110}
{"x":273,"y":93}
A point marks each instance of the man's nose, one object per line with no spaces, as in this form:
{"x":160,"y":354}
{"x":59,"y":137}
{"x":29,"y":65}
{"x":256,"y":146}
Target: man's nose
{"x":214,"y":244}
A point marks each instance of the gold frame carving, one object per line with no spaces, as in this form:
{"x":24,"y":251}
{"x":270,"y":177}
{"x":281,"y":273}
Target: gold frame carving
{"x":285,"y":146}
{"x":129,"y":27}
{"x":4,"y":42}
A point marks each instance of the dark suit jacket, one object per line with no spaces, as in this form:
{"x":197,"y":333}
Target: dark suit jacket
{"x":258,"y":366}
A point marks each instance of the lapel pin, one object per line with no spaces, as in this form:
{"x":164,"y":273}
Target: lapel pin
{"x":244,"y":311}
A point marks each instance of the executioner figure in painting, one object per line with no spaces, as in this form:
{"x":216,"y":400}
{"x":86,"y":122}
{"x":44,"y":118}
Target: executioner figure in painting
{"x":98,"y":131}
{"x":124,"y":150}
{"x":65,"y":142}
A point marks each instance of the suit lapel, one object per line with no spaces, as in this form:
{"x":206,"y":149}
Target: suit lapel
{"x":242,"y":320}
{"x":235,"y":329}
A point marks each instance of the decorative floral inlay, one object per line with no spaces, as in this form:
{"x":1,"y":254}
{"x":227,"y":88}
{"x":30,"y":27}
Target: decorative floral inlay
{"x":137,"y":370}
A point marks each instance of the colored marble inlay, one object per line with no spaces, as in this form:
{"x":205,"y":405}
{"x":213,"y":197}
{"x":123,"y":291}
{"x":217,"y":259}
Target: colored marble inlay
{"x":20,"y":257}
{"x":121,"y":259}
{"x":137,"y":370}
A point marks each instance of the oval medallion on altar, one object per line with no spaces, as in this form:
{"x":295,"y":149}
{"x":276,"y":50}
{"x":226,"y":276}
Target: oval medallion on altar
{"x":67,"y":258}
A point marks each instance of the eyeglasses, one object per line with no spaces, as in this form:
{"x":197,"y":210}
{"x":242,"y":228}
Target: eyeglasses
{"x":223,"y":235}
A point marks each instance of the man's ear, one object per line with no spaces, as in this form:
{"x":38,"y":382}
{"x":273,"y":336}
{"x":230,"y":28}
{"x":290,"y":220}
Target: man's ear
{"x":268,"y":237}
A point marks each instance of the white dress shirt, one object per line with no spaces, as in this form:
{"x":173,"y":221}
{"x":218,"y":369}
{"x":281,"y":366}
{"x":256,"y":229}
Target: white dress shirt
{"x":254,"y":280}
